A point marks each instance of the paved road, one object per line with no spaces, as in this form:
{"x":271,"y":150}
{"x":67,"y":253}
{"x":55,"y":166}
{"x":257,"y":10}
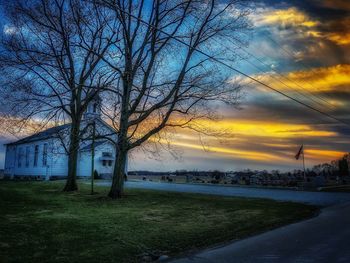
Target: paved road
{"x":314,"y":198}
{"x":323,"y":239}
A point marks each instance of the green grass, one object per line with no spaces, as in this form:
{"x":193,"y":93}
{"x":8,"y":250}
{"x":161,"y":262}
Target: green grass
{"x":39,"y":223}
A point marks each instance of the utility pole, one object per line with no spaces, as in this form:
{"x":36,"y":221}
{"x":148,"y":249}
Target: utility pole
{"x":304,"y":165}
{"x":93,"y":156}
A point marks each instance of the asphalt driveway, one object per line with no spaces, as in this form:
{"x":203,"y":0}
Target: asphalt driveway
{"x":323,"y":239}
{"x":314,"y":198}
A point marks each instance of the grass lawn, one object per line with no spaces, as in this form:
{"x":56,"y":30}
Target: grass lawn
{"x":39,"y":223}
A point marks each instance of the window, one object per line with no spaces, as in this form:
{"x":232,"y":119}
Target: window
{"x":45,"y":154}
{"x":19,"y":157}
{"x":109,"y":163}
{"x":106,"y":154}
{"x":27,"y":156}
{"x":95,"y":108}
{"x":104,"y":162}
{"x":36,"y":153}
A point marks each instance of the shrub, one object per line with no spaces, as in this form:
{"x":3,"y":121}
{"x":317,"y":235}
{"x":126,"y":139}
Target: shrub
{"x":96,"y":175}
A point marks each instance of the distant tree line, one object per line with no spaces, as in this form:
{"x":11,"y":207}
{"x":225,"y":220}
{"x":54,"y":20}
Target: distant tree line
{"x":338,"y":167}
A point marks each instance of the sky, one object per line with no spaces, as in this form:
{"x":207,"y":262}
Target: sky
{"x":301,"y":48}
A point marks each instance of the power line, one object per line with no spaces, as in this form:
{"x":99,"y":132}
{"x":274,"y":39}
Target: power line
{"x":281,"y":75}
{"x":290,"y":54}
{"x":236,"y":70}
{"x":282,"y":82}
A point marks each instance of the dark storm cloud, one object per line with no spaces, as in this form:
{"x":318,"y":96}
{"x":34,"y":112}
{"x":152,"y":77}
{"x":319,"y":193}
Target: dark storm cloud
{"x":340,"y":129}
{"x":325,"y":43}
{"x":321,"y":9}
{"x":285,"y":110}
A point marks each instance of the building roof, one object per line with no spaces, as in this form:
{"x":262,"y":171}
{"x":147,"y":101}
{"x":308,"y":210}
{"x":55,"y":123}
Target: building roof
{"x":50,"y":133}
{"x":88,"y":147}
{"x":46,"y":134}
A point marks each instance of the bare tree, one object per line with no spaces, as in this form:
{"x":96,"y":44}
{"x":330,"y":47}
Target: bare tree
{"x":51,"y":63}
{"x":164,"y":82}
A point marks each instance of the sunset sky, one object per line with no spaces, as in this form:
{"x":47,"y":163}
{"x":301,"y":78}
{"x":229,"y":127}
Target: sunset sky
{"x":299,"y":47}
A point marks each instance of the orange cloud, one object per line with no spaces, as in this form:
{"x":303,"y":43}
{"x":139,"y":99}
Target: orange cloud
{"x":315,"y":80}
{"x":265,"y":128}
{"x":340,"y":39}
{"x":325,"y":78}
{"x":235,"y":153}
{"x":323,"y":154}
{"x":286,"y":17}
{"x":292,"y":17}
{"x":274,"y":136}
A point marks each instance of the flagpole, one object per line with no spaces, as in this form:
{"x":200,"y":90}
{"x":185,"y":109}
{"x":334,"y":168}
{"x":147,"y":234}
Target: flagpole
{"x":93,"y":156}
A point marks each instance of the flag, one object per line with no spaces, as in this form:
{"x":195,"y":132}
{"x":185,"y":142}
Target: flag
{"x":301,"y":151}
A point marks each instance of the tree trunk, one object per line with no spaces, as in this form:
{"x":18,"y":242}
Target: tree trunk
{"x":118,"y":175}
{"x":71,"y":183}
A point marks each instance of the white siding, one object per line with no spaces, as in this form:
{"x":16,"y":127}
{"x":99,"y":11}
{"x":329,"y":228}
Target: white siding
{"x":12,"y":162}
{"x":57,"y":159}
{"x":107,"y":169}
{"x":84,"y":165}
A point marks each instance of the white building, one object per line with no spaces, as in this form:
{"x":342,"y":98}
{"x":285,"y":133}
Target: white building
{"x":43,"y":155}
